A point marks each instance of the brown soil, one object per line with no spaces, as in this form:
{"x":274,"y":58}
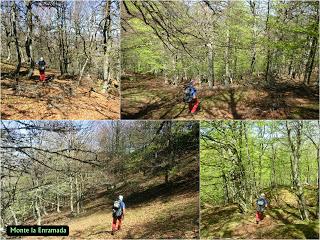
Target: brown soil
{"x":53,"y":100}
{"x":148,"y":97}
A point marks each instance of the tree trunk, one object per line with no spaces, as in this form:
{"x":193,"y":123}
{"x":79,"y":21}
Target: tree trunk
{"x":58,"y":203}
{"x":44,"y":209}
{"x":106,"y":47}
{"x":78,"y":195}
{"x":14,"y":14}
{"x":71,"y":193}
{"x":7,"y":27}
{"x":252,"y":169}
{"x":210,"y":65}
{"x":14,"y":216}
{"x":175,"y":71}
{"x":29,"y":38}
{"x":318,"y":178}
{"x":166,"y":177}
{"x":9,"y":50}
{"x":226,"y":60}
{"x":225,"y":188}
{"x":254,"y":27}
{"x":63,"y":56}
{"x":82,"y":71}
{"x":268,"y":60}
{"x":37,"y":208}
{"x":295,"y":161}
{"x":273,"y":168}
{"x":310,"y":62}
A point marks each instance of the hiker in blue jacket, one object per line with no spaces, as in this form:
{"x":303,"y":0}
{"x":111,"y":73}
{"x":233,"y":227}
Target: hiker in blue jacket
{"x":262,"y":204}
{"x":191,"y":97}
{"x":118,"y":211}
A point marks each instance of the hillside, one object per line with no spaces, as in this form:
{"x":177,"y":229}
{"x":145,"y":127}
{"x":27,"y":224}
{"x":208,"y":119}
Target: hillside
{"x":282,"y":219}
{"x":154,"y":209}
{"x":59,"y":98}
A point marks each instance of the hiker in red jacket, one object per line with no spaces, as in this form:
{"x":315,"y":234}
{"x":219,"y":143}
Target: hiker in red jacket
{"x":42,"y":67}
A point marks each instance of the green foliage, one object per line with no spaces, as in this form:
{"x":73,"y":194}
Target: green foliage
{"x":234,"y":31}
{"x":223,"y":145}
{"x":143,"y":53}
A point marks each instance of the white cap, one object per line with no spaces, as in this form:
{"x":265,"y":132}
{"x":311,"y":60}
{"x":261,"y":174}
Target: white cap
{"x":41,"y":59}
{"x":120,"y":197}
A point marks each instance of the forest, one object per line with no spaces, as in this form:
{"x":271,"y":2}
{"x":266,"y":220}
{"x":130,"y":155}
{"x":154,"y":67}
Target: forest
{"x":252,"y":59}
{"x":79,"y":42}
{"x":70,"y":172}
{"x":241,"y":160}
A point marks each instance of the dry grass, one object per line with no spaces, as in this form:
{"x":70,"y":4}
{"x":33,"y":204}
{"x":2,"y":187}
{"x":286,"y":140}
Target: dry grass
{"x":154,"y":209}
{"x":171,"y":217}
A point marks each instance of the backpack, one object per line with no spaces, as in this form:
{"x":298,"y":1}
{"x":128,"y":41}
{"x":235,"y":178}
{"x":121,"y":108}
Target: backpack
{"x":260,"y":205}
{"x":117,"y":209}
{"x":188,"y":94}
{"x":42,"y":65}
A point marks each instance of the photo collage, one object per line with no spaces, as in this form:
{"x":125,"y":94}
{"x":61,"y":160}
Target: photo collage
{"x":159,"y":119}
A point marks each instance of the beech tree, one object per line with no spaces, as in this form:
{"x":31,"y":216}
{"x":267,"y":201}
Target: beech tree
{"x":76,"y":38}
{"x":221,"y":42}
{"x":55,"y":166}
{"x":239,"y":160}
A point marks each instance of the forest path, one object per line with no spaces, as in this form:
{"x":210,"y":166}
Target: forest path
{"x":165,"y":217}
{"x":227,"y":222}
{"x":59,"y":99}
{"x":148,"y":97}
{"x":153,"y":209}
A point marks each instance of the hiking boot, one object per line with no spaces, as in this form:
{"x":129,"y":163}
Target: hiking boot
{"x":119,"y":228}
{"x":257,"y":222}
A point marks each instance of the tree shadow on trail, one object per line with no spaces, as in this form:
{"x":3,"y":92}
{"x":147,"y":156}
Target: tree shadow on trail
{"x":276,"y":214}
{"x":226,"y":100}
{"x":177,"y":115}
{"x":177,"y":220}
{"x":308,"y":231}
{"x":289,"y":101}
{"x":215,"y":221}
{"x":233,"y":104}
{"x":185,"y":184}
{"x":144,"y":112}
{"x":292,"y":231}
{"x":225,"y":222}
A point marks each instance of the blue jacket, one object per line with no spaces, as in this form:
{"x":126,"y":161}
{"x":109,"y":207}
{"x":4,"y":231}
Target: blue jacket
{"x":122,"y":205}
{"x":193,"y":90}
{"x":263,"y":199}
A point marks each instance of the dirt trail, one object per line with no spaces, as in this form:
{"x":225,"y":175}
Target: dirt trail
{"x":59,"y":99}
{"x":170,"y":217}
{"x":271,"y":227}
{"x":148,"y":97}
{"x":142,"y":221}
{"x":227,"y":222}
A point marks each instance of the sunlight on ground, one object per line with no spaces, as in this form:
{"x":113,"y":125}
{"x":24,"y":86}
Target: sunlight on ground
{"x":149,"y":98}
